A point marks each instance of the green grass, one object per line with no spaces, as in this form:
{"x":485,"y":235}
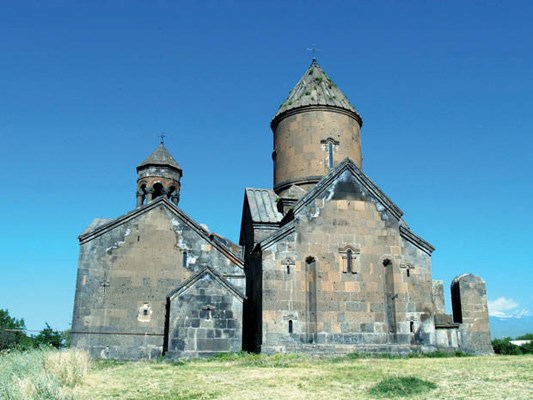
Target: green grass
{"x":242,"y":376}
{"x":404,"y":386}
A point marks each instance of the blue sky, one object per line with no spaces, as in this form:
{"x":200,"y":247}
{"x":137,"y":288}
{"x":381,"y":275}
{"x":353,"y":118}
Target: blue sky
{"x":445,"y":90}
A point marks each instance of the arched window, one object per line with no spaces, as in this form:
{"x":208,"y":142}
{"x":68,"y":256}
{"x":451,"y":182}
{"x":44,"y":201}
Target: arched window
{"x":290,"y":325}
{"x":329,"y":145}
{"x":158,"y":190}
{"x":171,"y":191}
{"x":142,"y":193}
{"x":349,"y":259}
{"x":184,"y":259}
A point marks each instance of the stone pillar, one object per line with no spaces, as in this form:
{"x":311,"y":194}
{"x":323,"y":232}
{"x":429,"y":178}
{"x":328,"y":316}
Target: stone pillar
{"x":175,"y":197}
{"x":438,"y":297}
{"x":149,"y":194}
{"x":140,"y":196}
{"x":469,"y":302}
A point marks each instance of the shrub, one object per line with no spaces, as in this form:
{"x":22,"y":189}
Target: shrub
{"x":401,"y":387}
{"x":527,"y":348}
{"x":527,"y":336}
{"x":49,"y":338}
{"x":505,"y":347}
{"x":16,"y":338}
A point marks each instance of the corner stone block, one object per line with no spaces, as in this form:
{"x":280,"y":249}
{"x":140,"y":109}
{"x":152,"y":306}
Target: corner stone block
{"x":469,"y":303}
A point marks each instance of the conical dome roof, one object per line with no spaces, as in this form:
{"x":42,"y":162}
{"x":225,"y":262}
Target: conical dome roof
{"x":315,"y":88}
{"x":160,"y":156}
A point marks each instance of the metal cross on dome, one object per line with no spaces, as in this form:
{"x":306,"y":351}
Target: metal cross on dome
{"x":314,"y":50}
{"x":162,"y":138}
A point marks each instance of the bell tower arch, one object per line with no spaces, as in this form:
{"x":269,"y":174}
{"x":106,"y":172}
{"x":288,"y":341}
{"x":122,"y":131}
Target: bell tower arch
{"x":158,"y":175}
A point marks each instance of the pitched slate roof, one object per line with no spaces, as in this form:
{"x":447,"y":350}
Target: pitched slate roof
{"x":263,"y":205}
{"x":160,"y":156}
{"x":315,"y":88}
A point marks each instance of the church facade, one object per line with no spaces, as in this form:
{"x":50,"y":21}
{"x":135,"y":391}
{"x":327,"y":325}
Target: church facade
{"x":325,"y":263}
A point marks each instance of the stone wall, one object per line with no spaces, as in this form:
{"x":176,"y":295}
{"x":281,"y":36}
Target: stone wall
{"x":314,"y":295}
{"x":126,"y":271}
{"x":205,"y":318}
{"x":301,"y":150}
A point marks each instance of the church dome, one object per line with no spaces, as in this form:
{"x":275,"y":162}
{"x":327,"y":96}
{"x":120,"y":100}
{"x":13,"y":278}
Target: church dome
{"x":160,"y":157}
{"x":315,"y":88}
{"x":314,"y":129}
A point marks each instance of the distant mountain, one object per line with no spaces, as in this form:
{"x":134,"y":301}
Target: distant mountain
{"x":510,"y":327}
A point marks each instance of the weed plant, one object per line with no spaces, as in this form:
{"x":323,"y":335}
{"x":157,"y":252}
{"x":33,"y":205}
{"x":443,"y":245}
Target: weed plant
{"x":41,"y":374}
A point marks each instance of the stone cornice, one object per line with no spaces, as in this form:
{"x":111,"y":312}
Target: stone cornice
{"x":280,"y":234}
{"x":408,"y":235}
{"x":308,"y":180}
{"x":314,"y":107}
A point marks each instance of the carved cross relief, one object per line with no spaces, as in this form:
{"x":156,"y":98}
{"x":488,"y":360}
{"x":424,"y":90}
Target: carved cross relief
{"x":288,"y":262}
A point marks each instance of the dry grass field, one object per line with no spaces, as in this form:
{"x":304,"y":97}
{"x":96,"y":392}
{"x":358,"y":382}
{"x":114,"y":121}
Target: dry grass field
{"x":302,"y":377}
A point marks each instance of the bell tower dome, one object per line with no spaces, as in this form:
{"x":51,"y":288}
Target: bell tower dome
{"x":158,"y":175}
{"x":314,"y":129}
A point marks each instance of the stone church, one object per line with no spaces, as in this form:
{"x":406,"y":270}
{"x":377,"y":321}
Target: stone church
{"x":325,"y":263}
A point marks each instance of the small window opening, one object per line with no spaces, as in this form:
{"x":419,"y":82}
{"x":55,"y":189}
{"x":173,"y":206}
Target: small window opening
{"x":290,"y":326}
{"x":330,"y":154}
{"x":158,"y":190}
{"x":288,"y":269}
{"x":412,"y":326}
{"x":143,"y":190}
{"x":408,"y":272}
{"x":171,"y":191}
{"x":184,"y":264}
{"x":349,"y":261}
{"x":145,"y":311}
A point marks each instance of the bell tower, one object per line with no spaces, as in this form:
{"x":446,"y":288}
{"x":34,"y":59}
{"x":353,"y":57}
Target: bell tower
{"x":158,"y":175}
{"x":314,"y":129}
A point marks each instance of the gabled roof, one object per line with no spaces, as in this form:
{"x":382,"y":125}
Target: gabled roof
{"x":263,"y":205}
{"x":344,"y":166}
{"x":315,"y":88}
{"x":161,"y":157}
{"x":215,"y":275}
{"x":162,"y":201}
{"x":347,"y":165}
